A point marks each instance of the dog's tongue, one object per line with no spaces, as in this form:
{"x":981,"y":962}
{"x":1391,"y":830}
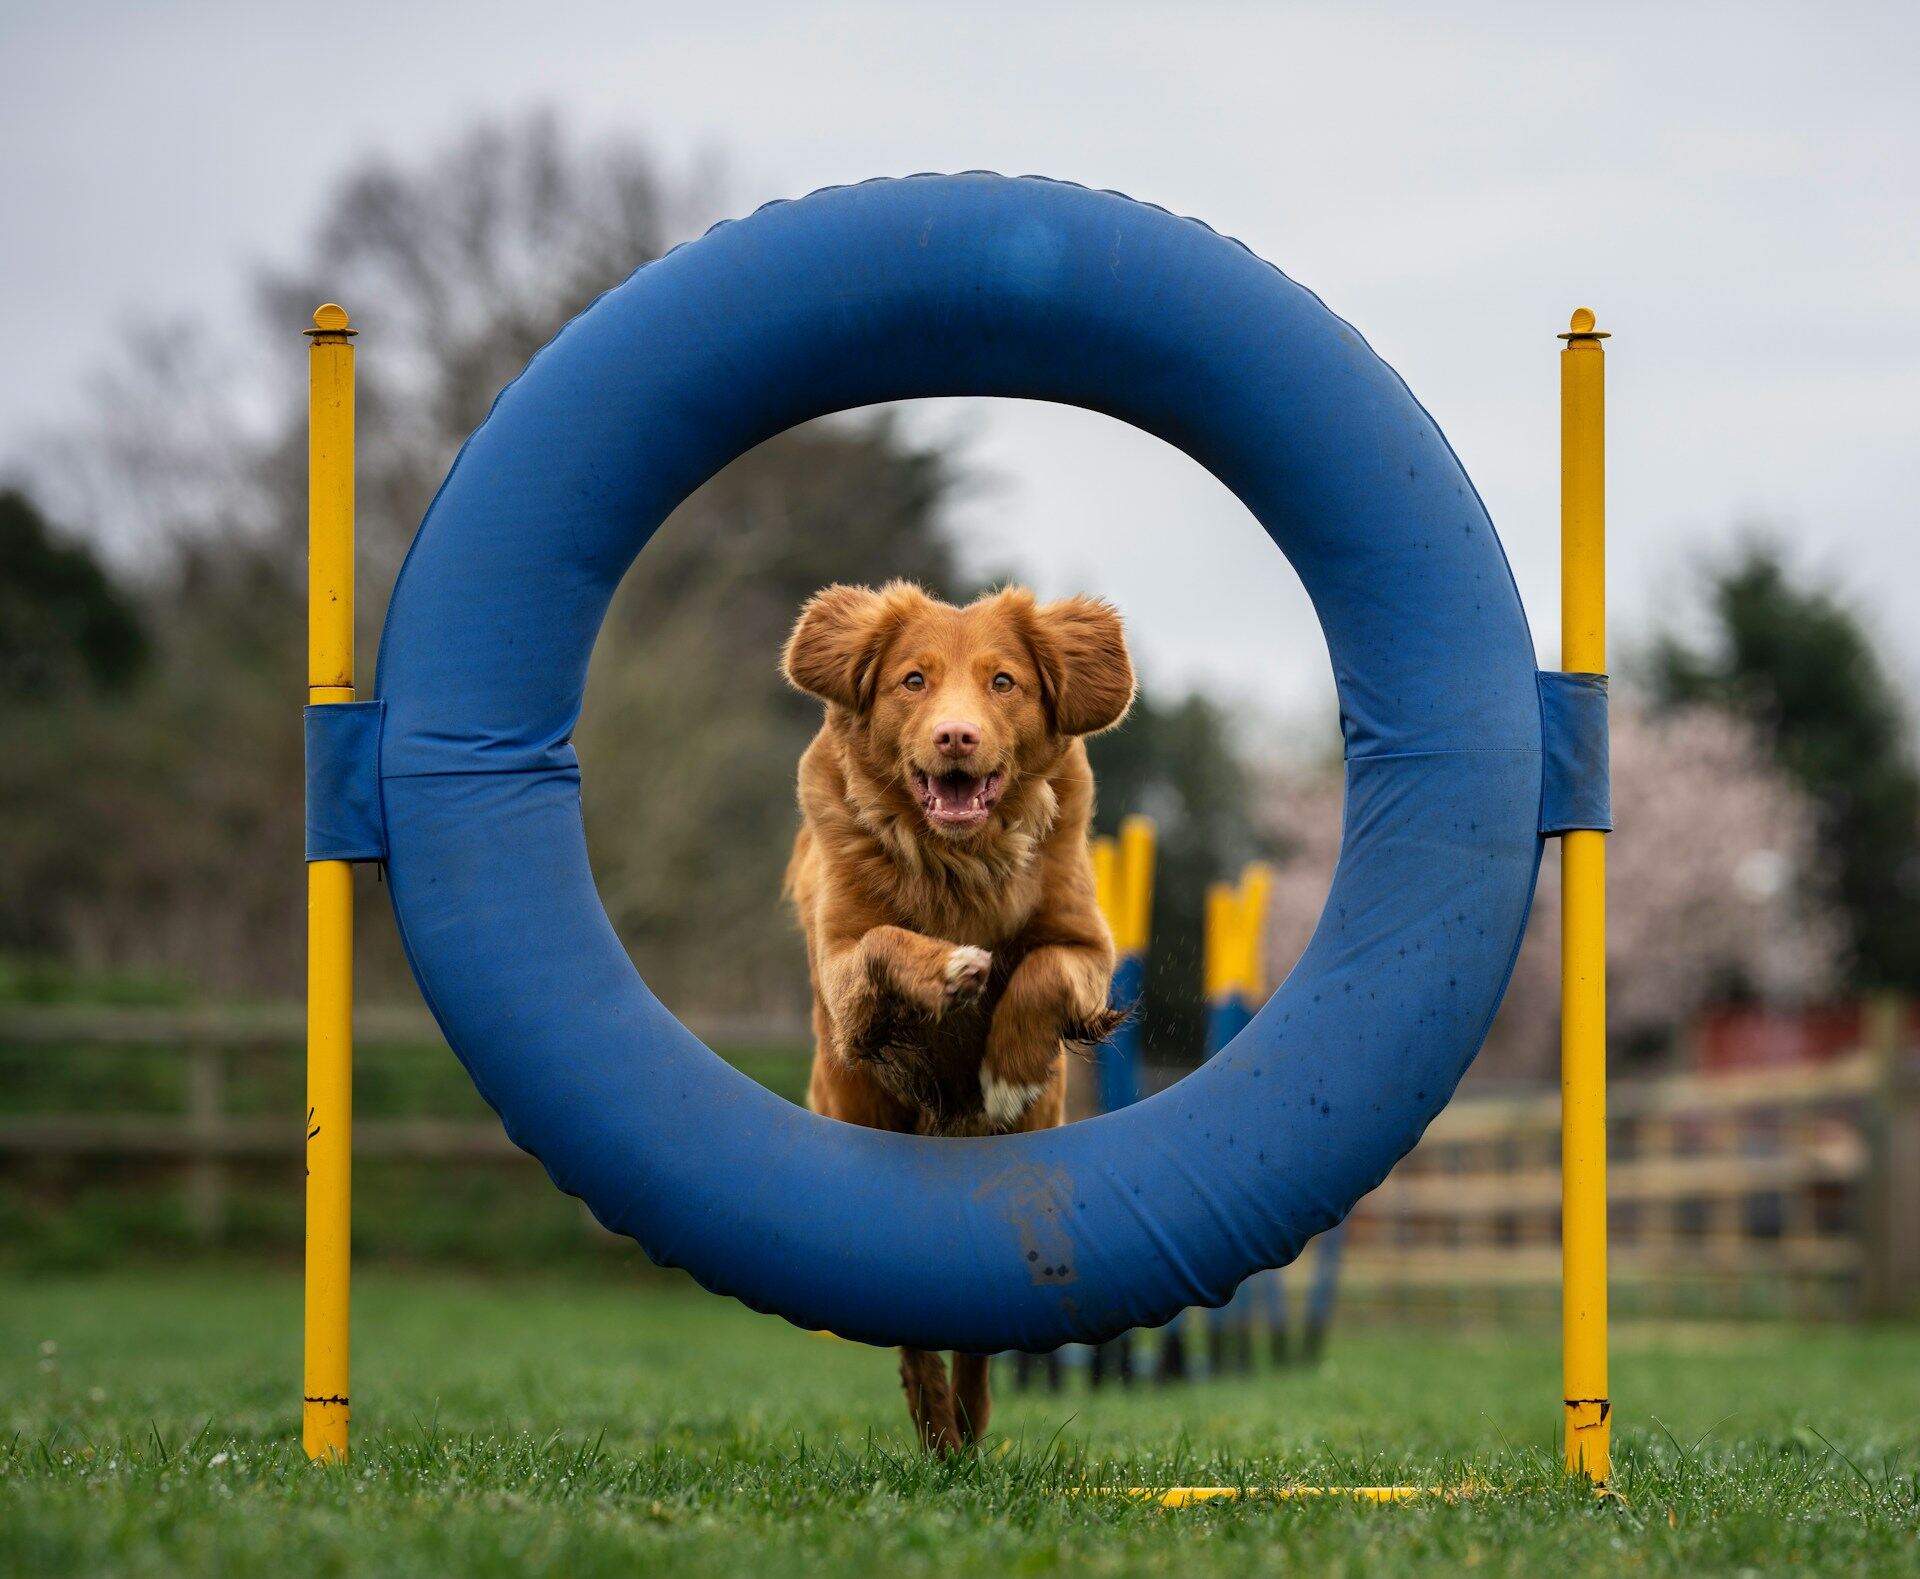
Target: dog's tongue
{"x":953,"y":792}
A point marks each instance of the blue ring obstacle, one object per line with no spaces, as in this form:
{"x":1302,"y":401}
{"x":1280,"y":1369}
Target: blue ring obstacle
{"x":894,"y":290}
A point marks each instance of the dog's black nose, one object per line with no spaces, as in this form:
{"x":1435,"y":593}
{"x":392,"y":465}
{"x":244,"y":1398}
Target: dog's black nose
{"x":956,"y":739}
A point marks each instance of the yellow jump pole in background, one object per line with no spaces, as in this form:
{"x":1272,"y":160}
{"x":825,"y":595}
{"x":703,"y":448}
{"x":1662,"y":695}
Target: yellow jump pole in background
{"x":1256,"y":902}
{"x":1134,"y":880}
{"x":1583,"y":922}
{"x":1106,"y":877}
{"x":323,"y":1414}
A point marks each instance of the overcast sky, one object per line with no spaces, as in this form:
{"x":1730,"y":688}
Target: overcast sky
{"x":1733,"y":188}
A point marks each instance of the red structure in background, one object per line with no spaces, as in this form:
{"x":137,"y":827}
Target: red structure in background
{"x":1753,"y":1037}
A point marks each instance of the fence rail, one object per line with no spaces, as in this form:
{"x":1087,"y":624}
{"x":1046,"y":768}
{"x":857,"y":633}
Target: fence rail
{"x":204,"y":1142}
{"x":148,"y":1135}
{"x":1783,"y":1191}
{"x":1794,"y":1190}
{"x":284,"y":1024}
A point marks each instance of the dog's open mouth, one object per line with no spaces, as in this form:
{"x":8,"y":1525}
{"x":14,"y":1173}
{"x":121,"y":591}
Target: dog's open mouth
{"x":957,"y":800}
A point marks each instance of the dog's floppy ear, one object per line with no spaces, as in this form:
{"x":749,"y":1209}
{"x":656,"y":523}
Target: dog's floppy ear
{"x":1086,"y":676}
{"x":836,"y":644}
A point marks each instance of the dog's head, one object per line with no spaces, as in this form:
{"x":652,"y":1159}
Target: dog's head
{"x":954,"y":706}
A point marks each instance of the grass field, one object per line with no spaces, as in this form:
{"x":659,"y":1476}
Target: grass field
{"x":147,"y":1425}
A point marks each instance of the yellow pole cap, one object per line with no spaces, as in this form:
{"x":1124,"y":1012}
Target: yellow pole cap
{"x":1581,"y":327}
{"x":330,"y":318}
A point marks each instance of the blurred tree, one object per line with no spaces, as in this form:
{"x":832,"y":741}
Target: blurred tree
{"x":1178,"y":763}
{"x":168,"y":835}
{"x":159,"y":829}
{"x":63,"y":623}
{"x":456,"y":269}
{"x":1795,"y":662}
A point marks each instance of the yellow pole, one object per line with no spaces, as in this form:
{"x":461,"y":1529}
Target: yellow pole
{"x":1105,"y":861}
{"x":1217,"y":951}
{"x":1134,"y":885}
{"x":1583,"y":923}
{"x":1256,"y":899}
{"x":323,"y":1414}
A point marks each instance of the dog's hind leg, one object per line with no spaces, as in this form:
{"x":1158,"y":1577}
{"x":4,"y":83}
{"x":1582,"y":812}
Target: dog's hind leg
{"x":923,"y":1376}
{"x":972,"y":1396}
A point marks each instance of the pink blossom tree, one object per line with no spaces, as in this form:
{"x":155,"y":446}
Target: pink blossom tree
{"x":1714,"y":887}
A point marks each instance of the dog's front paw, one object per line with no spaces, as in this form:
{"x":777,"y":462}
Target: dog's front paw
{"x":964,"y":975}
{"x":1005,"y":1102}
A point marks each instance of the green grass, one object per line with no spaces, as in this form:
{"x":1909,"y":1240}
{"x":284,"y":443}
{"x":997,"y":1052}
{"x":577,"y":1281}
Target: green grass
{"x":147,"y":1426}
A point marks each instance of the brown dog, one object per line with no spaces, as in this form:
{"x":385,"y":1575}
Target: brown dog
{"x":943,"y":879}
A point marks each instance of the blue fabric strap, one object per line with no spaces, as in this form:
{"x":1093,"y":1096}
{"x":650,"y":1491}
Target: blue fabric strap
{"x":1575,"y":788}
{"x":345,"y":818}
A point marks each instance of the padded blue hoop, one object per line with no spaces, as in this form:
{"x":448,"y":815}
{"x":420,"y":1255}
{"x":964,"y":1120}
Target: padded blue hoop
{"x":961,"y":285}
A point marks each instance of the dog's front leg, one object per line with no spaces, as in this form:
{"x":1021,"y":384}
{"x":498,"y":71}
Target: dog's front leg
{"x":1057,"y":993}
{"x":879,"y":982}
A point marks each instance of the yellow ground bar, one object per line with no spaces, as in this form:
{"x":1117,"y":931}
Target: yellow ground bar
{"x":1186,"y":1496}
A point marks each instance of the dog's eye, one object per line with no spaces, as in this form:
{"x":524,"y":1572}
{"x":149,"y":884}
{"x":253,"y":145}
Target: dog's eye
{"x":1003,"y":682}
{"x":915,"y":681}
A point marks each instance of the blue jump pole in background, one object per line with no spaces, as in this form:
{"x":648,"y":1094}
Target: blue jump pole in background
{"x":1235,"y":988}
{"x":1123,"y":882}
{"x":1119,"y":1062}
{"x":1239,"y":979}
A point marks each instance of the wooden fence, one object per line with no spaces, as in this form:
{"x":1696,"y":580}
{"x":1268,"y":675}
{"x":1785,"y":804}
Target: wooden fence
{"x":207,"y":1142}
{"x":1784,"y":1191}
{"x":1791,"y":1191}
